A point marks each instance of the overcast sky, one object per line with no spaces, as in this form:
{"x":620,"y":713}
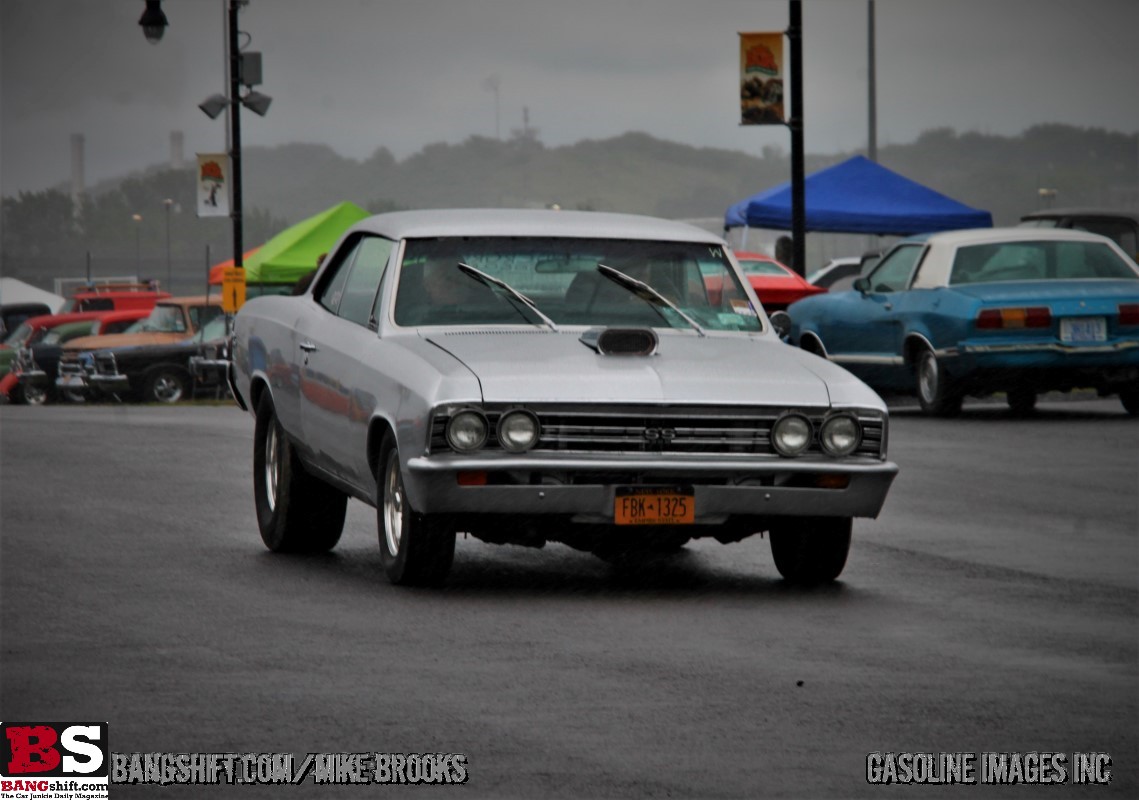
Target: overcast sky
{"x":363,"y":74}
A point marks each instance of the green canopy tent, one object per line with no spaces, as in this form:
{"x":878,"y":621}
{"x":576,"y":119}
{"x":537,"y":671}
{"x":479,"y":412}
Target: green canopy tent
{"x":293,"y":252}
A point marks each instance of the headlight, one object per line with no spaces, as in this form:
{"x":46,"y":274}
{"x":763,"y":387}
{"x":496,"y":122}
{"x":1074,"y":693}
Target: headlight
{"x":791,"y":434}
{"x":466,"y":431}
{"x":840,"y":435}
{"x":517,"y":431}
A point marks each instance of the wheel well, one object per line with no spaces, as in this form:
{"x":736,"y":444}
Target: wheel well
{"x":812,"y":344}
{"x":912,"y":349}
{"x":376,"y":430}
{"x":256,"y":389}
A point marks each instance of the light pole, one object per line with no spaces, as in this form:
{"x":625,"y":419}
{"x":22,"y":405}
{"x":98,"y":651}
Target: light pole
{"x":137,"y":243}
{"x":169,"y":272}
{"x":244,"y":69}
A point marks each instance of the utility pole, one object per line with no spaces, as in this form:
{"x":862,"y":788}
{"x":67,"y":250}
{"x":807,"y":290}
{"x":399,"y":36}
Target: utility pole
{"x":871,"y":71}
{"x":798,"y":190}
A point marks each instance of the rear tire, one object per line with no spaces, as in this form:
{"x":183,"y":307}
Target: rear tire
{"x":1130,"y":399}
{"x":811,"y":549}
{"x":1021,"y":401}
{"x":34,"y":395}
{"x":416,"y":549}
{"x":296,"y":512}
{"x":936,"y":393}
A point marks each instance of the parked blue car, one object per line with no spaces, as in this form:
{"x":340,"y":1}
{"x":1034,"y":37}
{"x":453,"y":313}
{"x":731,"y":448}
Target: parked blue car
{"x":1013,"y":310}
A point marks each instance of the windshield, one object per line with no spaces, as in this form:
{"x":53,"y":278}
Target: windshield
{"x":755,"y":266}
{"x":17,"y":337}
{"x":560,"y":276}
{"x":213,"y":330}
{"x":1038,"y":261}
{"x":163,"y":319}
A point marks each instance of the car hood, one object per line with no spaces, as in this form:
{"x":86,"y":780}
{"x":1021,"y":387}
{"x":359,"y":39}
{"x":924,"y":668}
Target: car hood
{"x":544,"y":366}
{"x":110,"y":340}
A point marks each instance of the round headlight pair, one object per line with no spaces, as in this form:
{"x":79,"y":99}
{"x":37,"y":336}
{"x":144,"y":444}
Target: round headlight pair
{"x":839,"y":435}
{"x":467,"y":431}
{"x":518,"y":431}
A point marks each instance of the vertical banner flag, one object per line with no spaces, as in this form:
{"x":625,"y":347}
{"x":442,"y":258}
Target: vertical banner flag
{"x":761,"y":78}
{"x":213,"y":185}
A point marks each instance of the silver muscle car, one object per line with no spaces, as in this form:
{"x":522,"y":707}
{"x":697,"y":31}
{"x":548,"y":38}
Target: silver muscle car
{"x":603,"y":380}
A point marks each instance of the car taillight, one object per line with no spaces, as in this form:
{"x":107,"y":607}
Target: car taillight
{"x":998,"y":318}
{"x":1129,"y":313}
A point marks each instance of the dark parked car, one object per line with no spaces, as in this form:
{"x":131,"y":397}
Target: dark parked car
{"x":153,"y":373}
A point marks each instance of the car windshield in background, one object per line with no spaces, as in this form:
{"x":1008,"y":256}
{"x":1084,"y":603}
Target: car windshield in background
{"x":560,"y":276}
{"x":163,"y":319}
{"x":1038,"y":261}
{"x":755,"y":267}
{"x":213,"y":330}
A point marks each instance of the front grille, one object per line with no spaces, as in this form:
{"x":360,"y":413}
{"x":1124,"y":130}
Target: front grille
{"x":105,"y":364}
{"x":673,"y":430}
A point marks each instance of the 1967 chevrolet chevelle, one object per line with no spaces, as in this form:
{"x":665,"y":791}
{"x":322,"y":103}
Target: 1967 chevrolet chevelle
{"x":533,"y":376}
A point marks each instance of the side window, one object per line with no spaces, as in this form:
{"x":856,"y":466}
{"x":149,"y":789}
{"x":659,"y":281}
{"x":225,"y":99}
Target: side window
{"x":359,"y":292}
{"x":330,"y":291}
{"x":893,"y":273}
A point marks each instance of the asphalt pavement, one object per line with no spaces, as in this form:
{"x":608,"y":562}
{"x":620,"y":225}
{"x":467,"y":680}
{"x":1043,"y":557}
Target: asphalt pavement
{"x":993,"y":606}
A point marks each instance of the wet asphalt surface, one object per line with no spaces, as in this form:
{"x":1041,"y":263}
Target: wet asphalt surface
{"x":993,"y":606}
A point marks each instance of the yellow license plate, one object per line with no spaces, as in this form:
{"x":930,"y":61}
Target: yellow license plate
{"x":654,"y":505}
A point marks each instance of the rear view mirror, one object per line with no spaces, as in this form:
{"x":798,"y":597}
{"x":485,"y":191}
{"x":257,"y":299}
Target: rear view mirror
{"x":781,"y":322}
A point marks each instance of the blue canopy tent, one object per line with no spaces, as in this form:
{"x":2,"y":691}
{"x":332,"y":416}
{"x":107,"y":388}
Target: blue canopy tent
{"x":859,"y":196}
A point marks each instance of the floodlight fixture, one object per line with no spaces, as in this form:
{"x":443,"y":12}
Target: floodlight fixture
{"x":153,"y":21}
{"x":214,"y":105}
{"x":257,"y":103}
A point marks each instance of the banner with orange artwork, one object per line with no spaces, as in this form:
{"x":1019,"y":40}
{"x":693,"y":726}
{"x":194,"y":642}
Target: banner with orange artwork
{"x":213,"y":185}
{"x":761,"y":78}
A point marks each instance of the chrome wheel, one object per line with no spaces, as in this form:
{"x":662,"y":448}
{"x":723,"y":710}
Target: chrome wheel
{"x":167,"y":388}
{"x":393,"y":504}
{"x":272,"y":466}
{"x":928,"y":378}
{"x":35,"y":395}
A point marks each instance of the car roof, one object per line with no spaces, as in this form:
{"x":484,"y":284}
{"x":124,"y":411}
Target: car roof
{"x":429,"y":223}
{"x":996,"y":235}
{"x":1081,"y":211}
{"x":938,"y":261}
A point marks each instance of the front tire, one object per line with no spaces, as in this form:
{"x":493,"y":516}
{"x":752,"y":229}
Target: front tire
{"x":1130,"y":399}
{"x":1021,"y":402}
{"x":296,"y":512}
{"x":936,"y":393}
{"x":416,"y":549}
{"x":165,"y":385}
{"x":811,"y":550}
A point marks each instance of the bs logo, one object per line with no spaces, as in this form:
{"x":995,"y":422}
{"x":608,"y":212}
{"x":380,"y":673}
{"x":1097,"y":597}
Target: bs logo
{"x":54,"y":749}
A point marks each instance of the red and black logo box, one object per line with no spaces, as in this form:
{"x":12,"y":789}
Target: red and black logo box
{"x":54,"y":750}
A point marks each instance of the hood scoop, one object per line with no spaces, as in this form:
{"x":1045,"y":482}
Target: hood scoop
{"x":621,"y":341}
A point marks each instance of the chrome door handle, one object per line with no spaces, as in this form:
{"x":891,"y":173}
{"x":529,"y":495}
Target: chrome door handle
{"x":308,"y":347}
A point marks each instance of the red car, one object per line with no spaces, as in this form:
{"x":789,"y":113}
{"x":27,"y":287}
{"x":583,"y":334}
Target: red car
{"x":776,"y":285}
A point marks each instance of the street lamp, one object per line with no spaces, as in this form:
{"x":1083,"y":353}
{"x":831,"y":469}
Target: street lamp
{"x":169,"y":272}
{"x":244,"y":70}
{"x":137,"y":243}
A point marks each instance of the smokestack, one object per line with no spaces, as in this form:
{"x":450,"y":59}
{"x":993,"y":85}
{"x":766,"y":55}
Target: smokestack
{"x":78,"y":182}
{"x":176,"y":140}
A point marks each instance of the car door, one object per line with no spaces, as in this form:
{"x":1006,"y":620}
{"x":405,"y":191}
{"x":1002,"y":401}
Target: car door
{"x":339,"y":329}
{"x":868,"y":336}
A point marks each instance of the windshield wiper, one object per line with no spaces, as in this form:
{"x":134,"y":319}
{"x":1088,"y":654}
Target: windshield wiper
{"x":490,"y":280}
{"x":646,"y":293}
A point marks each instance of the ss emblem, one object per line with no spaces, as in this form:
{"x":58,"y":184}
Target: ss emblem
{"x":660,"y":434}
